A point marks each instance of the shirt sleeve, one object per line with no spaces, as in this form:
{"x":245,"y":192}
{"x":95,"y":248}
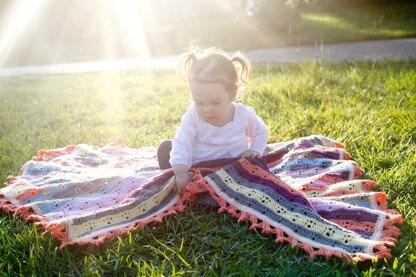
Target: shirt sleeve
{"x":183,"y":142}
{"x":256,"y":131}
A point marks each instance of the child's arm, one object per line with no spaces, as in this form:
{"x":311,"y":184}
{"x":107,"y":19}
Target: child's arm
{"x":182,"y":177}
{"x":257,"y":132}
{"x":181,"y":153}
{"x":251,"y":154}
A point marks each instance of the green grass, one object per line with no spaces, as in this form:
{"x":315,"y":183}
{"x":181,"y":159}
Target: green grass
{"x":370,"y":107}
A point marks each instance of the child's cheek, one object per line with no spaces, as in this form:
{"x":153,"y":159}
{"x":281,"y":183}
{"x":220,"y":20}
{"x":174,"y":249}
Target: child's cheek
{"x":199,"y":111}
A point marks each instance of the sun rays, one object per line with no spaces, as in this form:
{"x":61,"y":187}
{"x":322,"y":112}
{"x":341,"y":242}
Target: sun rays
{"x":72,"y":31}
{"x":129,"y":26}
{"x":16,"y":22}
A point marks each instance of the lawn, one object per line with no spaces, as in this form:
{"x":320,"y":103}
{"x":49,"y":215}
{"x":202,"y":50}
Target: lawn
{"x":369,"y":106}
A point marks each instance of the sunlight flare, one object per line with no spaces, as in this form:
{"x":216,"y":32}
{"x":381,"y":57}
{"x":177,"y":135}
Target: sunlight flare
{"x":110,"y":99}
{"x":18,"y":17}
{"x":131,"y":26}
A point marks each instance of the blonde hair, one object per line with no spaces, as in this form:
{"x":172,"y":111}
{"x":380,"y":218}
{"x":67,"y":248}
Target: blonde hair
{"x":215,"y":66}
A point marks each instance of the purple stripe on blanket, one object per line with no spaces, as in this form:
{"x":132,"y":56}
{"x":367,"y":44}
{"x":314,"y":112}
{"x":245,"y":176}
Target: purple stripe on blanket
{"x":364,"y":234}
{"x":134,"y":201}
{"x":269,"y":183}
{"x":285,"y":201}
{"x":280,"y":221}
{"x":155,"y":181}
{"x":345,"y":175}
{"x":348,"y":214}
{"x":107,"y":200}
{"x":328,"y":154}
{"x":150,"y":212}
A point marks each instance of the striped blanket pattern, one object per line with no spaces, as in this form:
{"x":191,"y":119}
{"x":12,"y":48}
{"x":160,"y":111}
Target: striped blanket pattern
{"x":305,"y":192}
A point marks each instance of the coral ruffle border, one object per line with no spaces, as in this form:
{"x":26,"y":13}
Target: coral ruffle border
{"x":380,"y":250}
{"x":59,"y":229}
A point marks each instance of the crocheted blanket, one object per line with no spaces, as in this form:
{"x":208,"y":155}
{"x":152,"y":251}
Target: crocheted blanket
{"x":306,"y":192}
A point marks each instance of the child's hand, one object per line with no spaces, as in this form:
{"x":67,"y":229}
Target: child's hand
{"x":181,"y":180}
{"x":251,"y":154}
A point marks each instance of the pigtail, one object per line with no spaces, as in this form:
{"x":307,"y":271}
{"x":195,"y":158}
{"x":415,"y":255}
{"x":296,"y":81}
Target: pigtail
{"x":215,"y":66}
{"x":185,"y":64}
{"x":243,"y":68}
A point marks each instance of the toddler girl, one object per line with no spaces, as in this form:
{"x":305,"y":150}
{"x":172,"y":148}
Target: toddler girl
{"x":214,"y":126}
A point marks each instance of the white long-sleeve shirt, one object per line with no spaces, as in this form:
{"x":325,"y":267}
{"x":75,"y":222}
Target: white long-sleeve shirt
{"x":197,"y":140}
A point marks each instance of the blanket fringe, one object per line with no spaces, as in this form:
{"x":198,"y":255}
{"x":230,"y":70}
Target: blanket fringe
{"x":42,"y":154}
{"x":380,"y":250}
{"x":391,"y":232}
{"x":110,"y":235}
{"x":119,"y":142}
{"x":24,"y":212}
{"x":59,"y":230}
{"x":6,"y":205}
{"x":381,"y":199}
{"x":10,"y":180}
{"x":368,"y":185}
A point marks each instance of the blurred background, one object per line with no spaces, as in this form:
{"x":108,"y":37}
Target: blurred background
{"x":37,"y":32}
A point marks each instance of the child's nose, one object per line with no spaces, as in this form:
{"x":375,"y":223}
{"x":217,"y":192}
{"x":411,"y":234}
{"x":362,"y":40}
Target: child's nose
{"x":207,"y":109}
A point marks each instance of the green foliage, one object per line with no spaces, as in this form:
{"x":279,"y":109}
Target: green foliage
{"x":370,"y":107}
{"x":319,"y":22}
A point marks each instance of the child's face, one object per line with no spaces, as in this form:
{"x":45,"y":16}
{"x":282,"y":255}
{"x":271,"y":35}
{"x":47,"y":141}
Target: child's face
{"x":213,"y":102}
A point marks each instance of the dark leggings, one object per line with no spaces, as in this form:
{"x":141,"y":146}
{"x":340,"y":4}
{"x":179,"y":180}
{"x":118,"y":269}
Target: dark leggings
{"x":163,"y":154}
